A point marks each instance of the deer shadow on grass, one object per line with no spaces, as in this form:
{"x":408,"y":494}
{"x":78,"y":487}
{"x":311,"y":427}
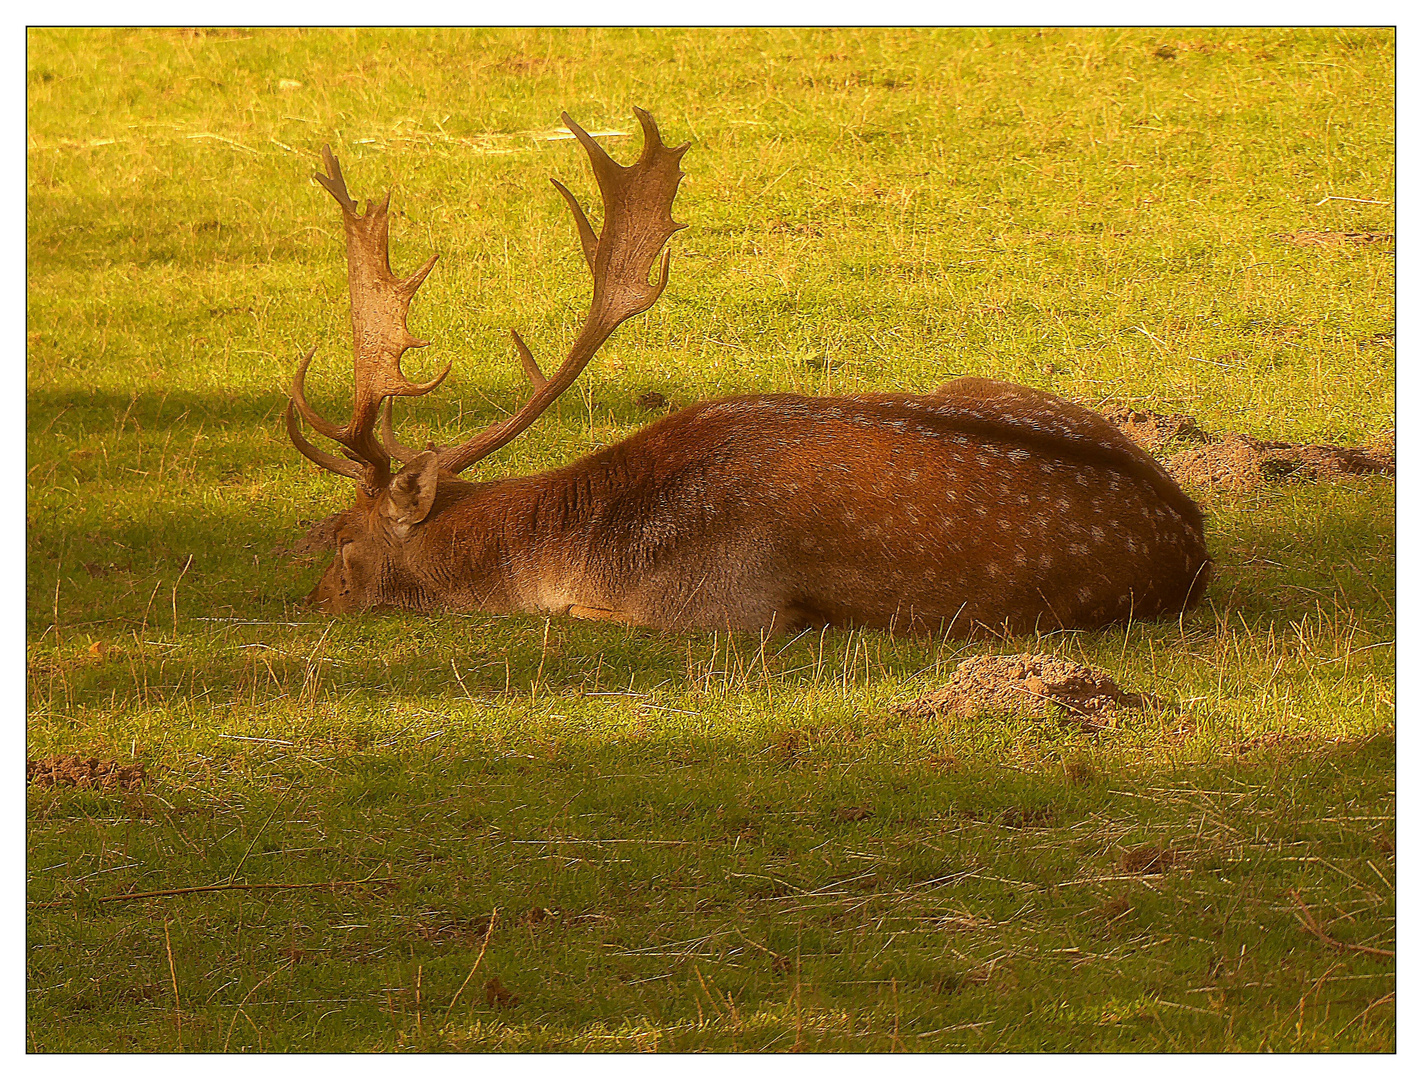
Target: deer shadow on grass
{"x":294,"y":661}
{"x":469,"y":402}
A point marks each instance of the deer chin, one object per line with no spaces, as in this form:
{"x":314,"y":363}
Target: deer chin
{"x":348,"y":586}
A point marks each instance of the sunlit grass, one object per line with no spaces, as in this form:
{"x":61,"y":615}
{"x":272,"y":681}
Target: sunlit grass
{"x":663,"y":822}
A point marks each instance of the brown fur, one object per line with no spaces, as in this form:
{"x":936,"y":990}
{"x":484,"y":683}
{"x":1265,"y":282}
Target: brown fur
{"x":982,"y":504}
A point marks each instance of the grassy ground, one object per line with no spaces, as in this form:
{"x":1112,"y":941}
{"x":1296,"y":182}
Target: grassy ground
{"x":700,"y":842}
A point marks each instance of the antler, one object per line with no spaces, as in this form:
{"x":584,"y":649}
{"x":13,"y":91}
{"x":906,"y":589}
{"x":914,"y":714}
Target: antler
{"x":637,"y":222}
{"x":380,"y":303}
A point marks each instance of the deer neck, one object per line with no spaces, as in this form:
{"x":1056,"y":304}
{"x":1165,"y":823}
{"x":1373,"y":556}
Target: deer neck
{"x":522,"y":544}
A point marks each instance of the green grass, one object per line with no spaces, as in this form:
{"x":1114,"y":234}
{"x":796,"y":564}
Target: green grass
{"x":663,"y":822}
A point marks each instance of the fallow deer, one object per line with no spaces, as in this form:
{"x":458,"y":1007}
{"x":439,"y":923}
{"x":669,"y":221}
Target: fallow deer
{"x":982,"y":504}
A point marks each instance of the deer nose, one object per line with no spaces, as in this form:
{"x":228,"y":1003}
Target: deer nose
{"x":319,"y":597}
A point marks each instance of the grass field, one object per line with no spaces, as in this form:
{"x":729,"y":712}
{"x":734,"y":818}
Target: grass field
{"x":700,"y":842}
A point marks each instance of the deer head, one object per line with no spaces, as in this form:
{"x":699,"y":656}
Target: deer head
{"x":378,"y":540}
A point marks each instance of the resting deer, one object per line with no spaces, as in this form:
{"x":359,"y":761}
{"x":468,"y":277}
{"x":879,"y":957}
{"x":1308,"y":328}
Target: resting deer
{"x":982,"y":504}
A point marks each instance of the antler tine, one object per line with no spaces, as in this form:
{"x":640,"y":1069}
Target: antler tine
{"x":298,"y":399}
{"x":380,"y":305}
{"x":530,"y":365}
{"x":353,"y":469}
{"x":637,"y":202}
{"x":398,"y":450}
{"x":335,"y":183}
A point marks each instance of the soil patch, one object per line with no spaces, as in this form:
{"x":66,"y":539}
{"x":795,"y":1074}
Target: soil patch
{"x":96,"y":569}
{"x":71,"y":770}
{"x":466,"y":932}
{"x":1244,"y":462}
{"x":1273,"y":740}
{"x":1147,"y":859}
{"x":1241,"y":461}
{"x":1154,"y":430}
{"x":789,"y":747}
{"x":497,"y":996}
{"x":1032,"y":685}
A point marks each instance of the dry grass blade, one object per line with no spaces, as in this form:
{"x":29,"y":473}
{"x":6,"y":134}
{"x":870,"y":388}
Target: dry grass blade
{"x":225,"y":887}
{"x":239,"y":1010}
{"x":488,"y":933}
{"x":173,"y":972}
{"x":1310,"y":923}
{"x":243,"y":861}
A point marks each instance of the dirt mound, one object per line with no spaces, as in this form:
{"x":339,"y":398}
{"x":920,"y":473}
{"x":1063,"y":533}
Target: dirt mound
{"x":1148,"y":859}
{"x":71,"y":770}
{"x":1154,"y":430}
{"x":1243,"y":462}
{"x":1030,"y":685}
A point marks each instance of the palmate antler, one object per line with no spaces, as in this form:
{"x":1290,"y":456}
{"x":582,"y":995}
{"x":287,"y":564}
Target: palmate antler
{"x":379,"y":304}
{"x":637,"y":201}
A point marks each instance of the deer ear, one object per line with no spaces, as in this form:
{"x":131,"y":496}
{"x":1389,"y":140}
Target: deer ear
{"x":412,"y":492}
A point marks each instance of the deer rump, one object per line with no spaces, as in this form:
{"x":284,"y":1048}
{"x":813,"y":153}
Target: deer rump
{"x":983,"y":505}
